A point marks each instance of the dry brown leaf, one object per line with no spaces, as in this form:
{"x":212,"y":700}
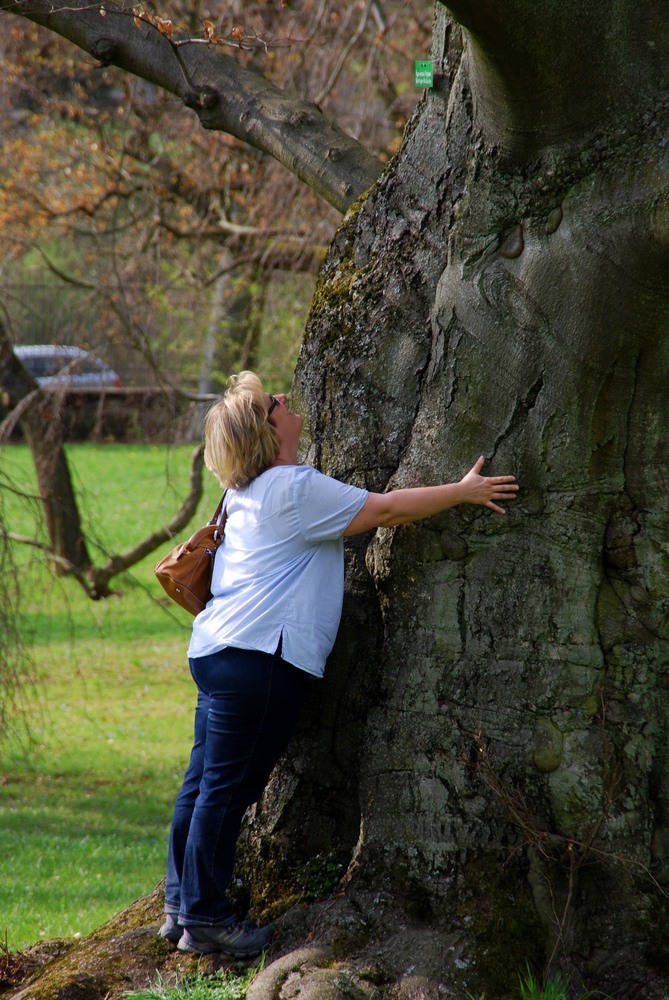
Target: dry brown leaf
{"x":165,"y":26}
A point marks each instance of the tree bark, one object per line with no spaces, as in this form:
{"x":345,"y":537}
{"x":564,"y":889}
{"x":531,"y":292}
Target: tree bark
{"x":503,"y":290}
{"x":225,"y":96}
{"x":44,"y":432}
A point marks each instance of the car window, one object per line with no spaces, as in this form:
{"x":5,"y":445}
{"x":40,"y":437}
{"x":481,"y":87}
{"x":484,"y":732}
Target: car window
{"x":44,"y":367}
{"x":88,"y":366}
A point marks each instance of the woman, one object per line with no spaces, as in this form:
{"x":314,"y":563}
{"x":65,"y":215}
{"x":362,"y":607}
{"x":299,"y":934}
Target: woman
{"x":277,"y":586}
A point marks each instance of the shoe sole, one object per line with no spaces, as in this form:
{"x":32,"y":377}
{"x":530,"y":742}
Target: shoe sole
{"x":210,"y":947}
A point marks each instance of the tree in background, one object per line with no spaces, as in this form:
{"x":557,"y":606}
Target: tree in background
{"x":111,"y":166}
{"x":119,"y":197}
{"x":488,"y":760}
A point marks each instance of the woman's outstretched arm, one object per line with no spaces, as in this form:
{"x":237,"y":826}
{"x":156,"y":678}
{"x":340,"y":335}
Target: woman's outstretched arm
{"x":383,"y":510}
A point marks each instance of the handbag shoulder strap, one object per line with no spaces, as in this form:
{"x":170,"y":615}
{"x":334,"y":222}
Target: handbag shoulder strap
{"x":218,"y":509}
{"x":220,"y":516}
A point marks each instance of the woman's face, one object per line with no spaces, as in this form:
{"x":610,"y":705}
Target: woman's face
{"x":288,"y":424}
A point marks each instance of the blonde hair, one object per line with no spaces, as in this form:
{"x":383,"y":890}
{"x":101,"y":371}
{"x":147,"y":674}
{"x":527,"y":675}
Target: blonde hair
{"x":240,"y":442}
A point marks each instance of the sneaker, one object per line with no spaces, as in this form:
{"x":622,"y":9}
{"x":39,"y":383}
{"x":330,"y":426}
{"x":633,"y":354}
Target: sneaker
{"x":171,"y":930}
{"x":239,"y":940}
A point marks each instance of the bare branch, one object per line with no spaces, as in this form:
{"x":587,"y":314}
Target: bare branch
{"x":221,"y":226}
{"x":67,"y":568}
{"x":101,"y":575}
{"x":121,"y":309}
{"x":71,"y":279}
{"x":343,"y":55}
{"x":87,"y":207}
{"x":13,"y":417}
{"x":379,"y":16}
{"x":248,"y":258}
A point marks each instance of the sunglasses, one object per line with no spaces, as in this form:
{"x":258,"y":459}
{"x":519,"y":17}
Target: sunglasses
{"x":275,"y":402}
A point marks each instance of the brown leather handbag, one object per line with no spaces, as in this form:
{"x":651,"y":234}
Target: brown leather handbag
{"x":185,"y":572}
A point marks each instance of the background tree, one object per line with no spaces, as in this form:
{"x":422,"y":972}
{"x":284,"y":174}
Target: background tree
{"x":151,"y":200}
{"x":488,"y":757}
{"x":116,"y":203}
{"x":37,"y":412}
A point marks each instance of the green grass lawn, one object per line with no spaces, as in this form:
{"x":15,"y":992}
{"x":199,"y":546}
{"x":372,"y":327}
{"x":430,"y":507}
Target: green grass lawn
{"x":85,"y":808}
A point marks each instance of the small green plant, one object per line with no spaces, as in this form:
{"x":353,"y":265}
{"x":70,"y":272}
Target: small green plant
{"x":319,"y":877}
{"x":554,"y":987}
{"x":222,"y":985}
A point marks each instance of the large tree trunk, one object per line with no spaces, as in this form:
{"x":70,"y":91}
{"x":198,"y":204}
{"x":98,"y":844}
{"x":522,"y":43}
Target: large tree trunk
{"x":503,"y":290}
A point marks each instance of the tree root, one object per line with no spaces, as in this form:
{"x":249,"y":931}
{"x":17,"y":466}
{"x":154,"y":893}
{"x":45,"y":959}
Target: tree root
{"x":266,"y":984}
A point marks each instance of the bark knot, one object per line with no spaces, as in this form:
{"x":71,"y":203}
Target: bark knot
{"x":512,"y":244}
{"x":297,"y":118}
{"x":104,"y":49}
{"x":553,"y":221}
{"x":202,"y":98}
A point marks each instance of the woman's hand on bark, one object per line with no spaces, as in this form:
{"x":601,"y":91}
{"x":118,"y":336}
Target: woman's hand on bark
{"x":484,"y":490}
{"x":384,"y":510}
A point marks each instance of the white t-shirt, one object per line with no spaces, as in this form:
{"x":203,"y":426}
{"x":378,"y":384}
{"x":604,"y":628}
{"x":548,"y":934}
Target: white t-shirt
{"x":279,"y":571}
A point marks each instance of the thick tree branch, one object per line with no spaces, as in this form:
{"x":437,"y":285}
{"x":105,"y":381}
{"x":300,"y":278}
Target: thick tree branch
{"x":225,"y":96}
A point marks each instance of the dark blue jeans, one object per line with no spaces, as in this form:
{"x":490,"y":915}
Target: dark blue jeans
{"x":247,"y":708}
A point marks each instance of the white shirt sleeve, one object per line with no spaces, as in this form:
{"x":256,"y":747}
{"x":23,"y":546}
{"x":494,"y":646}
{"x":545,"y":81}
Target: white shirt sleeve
{"x":325,"y":507}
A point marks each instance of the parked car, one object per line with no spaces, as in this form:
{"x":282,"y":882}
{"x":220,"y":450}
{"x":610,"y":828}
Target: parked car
{"x":46,"y":362}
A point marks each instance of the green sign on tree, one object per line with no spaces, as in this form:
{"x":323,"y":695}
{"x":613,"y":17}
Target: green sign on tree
{"x":424,"y":73}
